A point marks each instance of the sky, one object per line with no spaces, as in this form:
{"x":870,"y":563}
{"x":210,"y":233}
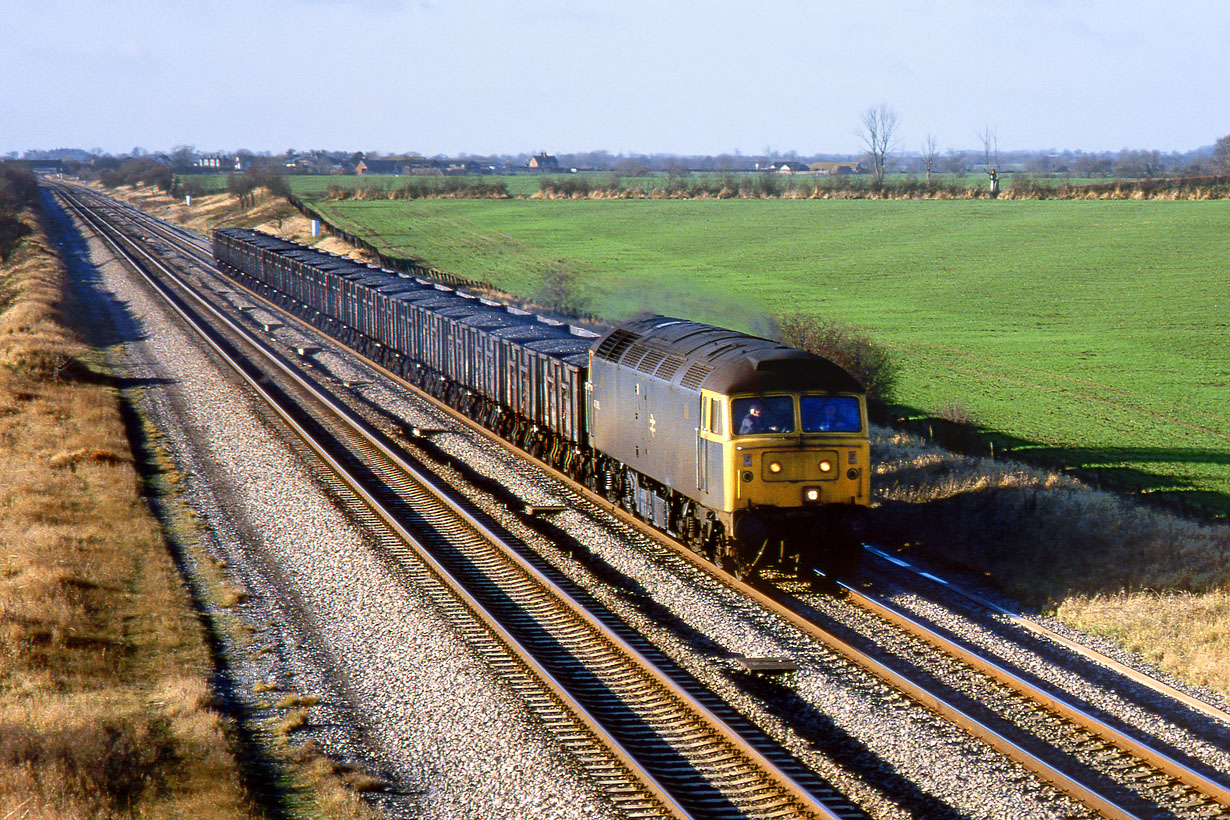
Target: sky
{"x":626,"y":76}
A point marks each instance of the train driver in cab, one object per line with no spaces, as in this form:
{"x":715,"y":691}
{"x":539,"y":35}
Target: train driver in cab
{"x":756,"y":418}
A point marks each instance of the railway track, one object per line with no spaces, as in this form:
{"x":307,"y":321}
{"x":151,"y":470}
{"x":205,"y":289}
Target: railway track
{"x":1105,"y":767}
{"x":1029,"y":625}
{"x":650,"y":735}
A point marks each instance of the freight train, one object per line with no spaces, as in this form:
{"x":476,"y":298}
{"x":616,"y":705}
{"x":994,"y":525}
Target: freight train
{"x":751,"y":453}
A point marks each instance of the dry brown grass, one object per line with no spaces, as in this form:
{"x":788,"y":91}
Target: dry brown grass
{"x":271,"y":215}
{"x":336,"y":789}
{"x":295,"y":700}
{"x":209,"y":211}
{"x":1157,"y":583}
{"x":104,"y":710}
{"x":1182,"y":632}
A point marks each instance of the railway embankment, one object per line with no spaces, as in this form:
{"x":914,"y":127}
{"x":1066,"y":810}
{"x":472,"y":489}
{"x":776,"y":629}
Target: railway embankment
{"x":1155,"y":583}
{"x":105,"y":702}
{"x":113,"y":682}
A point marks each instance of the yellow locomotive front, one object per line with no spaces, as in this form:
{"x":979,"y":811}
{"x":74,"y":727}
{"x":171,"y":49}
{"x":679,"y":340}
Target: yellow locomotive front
{"x":797,"y":477}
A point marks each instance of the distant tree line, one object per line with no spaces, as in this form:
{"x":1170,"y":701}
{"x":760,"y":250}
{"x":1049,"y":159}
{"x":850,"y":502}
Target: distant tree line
{"x":733,"y":185}
{"x":423,"y":188}
{"x":134,"y":172}
{"x":884,"y":158}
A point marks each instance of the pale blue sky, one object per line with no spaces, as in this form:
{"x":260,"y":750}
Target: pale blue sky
{"x":708,"y":77}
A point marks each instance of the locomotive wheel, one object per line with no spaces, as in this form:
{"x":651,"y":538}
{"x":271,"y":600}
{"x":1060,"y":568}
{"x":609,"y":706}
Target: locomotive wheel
{"x":728,"y":561}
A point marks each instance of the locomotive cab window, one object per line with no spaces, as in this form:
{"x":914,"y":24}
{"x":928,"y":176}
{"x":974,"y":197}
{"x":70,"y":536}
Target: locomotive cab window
{"x":763,"y":414}
{"x":830,"y":414}
{"x":716,"y":425}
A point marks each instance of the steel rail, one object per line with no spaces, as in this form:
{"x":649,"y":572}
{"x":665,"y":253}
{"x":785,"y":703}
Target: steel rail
{"x":1134,"y":675}
{"x":796,"y":792}
{"x":1055,"y":703}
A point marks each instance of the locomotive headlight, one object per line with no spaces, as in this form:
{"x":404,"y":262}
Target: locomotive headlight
{"x":775,"y":467}
{"x":811,"y":494}
{"x":826,"y":466}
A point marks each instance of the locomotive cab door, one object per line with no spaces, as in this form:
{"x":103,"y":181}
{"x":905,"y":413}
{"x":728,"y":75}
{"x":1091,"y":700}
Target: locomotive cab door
{"x":710,"y":449}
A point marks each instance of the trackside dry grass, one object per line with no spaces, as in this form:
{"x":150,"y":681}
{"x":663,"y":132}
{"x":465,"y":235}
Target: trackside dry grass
{"x":104,"y":707}
{"x":1158,"y":584}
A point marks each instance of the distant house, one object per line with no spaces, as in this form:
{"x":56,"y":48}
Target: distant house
{"x":543,"y":162}
{"x":467,"y":166}
{"x":394,"y":165}
{"x":217,"y":162}
{"x":790,"y":167}
{"x":826,"y":168}
{"x":389,"y":165}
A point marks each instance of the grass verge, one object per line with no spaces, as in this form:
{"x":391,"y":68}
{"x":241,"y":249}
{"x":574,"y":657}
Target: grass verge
{"x":105,"y":709}
{"x":1155,"y":583}
{"x":106,"y":705}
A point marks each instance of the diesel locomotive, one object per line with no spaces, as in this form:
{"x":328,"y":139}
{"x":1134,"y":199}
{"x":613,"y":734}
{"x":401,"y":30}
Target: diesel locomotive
{"x":751,"y":453}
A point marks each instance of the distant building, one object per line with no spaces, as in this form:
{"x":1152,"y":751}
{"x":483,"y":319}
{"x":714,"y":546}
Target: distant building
{"x":543,"y":162}
{"x":34,"y":166}
{"x":790,"y":167}
{"x":467,"y":166}
{"x":217,"y":162}
{"x":380,"y":166}
{"x":826,"y":168}
{"x":393,"y":165}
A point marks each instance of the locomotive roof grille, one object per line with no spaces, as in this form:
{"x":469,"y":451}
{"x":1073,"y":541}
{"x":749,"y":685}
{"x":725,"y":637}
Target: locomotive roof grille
{"x":651,"y":360}
{"x":666,"y":371}
{"x":614,"y":345}
{"x":633,"y":356}
{"x":695,"y":376}
{"x":717,"y":359}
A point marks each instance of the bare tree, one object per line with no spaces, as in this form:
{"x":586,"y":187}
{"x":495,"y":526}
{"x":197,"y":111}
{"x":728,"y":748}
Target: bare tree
{"x":955,"y":162}
{"x":242,"y":187}
{"x":879,"y":129}
{"x":1221,"y":155}
{"x":182,"y":157}
{"x":930,"y":155}
{"x":1146,"y":164}
{"x":990,"y":157}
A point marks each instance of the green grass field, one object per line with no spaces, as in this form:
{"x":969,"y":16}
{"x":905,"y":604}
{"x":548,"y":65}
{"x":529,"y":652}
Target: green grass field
{"x":1095,"y":329}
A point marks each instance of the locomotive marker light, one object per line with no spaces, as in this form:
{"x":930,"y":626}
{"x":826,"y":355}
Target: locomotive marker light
{"x":775,"y":467}
{"x":826,"y":466}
